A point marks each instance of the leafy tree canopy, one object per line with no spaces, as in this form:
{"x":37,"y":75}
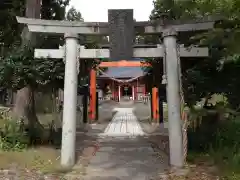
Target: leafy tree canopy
{"x":74,"y":15}
{"x":218,"y":73}
{"x":18,"y":66}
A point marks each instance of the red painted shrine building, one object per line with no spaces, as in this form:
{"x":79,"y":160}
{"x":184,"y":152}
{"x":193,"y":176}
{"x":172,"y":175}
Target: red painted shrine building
{"x":119,"y":82}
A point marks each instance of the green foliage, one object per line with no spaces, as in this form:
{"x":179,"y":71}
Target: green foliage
{"x":15,"y":136}
{"x":228,"y":143}
{"x":220,"y":72}
{"x":74,"y":15}
{"x":54,"y":9}
{"x":10,"y":31}
{"x":12,"y":136}
{"x":217,"y":137}
{"x":19,"y":69}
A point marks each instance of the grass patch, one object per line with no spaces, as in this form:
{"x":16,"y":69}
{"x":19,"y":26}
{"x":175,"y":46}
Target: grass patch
{"x":44,"y":159}
{"x":17,"y":148}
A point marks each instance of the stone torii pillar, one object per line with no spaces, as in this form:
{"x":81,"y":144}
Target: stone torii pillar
{"x":173,"y":98}
{"x":70,"y":100}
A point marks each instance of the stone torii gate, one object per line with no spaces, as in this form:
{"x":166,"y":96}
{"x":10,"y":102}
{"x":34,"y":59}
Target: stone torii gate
{"x":72,"y":52}
{"x":104,"y":53}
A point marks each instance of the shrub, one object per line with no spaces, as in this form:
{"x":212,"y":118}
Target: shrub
{"x":13,"y":136}
{"x":220,"y":139}
{"x":226,"y":148}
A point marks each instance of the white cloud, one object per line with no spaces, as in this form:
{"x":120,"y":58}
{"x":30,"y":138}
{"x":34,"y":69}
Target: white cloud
{"x":97,"y":10}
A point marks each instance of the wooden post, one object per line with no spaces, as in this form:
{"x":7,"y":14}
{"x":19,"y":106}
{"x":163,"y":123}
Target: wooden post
{"x":113,"y":91}
{"x":136,"y":92}
{"x":151,"y":105}
{"x":160,"y":110}
{"x":160,"y":105}
{"x":119,"y":93}
{"x":97,"y":107}
{"x":133,"y":93}
{"x":92,"y":108}
{"x":144,"y":90}
{"x":157,"y":106}
{"x":85,"y":105}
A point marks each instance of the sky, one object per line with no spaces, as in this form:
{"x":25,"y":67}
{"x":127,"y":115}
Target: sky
{"x":96,"y":10}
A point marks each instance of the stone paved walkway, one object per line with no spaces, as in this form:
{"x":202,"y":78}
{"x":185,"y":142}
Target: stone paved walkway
{"x":123,"y":152}
{"x":124,"y":123}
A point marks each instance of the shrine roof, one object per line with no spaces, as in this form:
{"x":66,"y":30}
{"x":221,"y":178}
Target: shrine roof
{"x":123,"y":72}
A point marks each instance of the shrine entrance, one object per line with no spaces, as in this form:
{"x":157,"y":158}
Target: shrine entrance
{"x":122,"y":81}
{"x":126,"y":91}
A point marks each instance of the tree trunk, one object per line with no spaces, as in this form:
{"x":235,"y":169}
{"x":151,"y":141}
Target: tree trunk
{"x":24,"y":108}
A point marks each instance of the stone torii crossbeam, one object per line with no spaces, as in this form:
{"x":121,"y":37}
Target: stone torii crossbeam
{"x":72,"y":52}
{"x":104,"y":53}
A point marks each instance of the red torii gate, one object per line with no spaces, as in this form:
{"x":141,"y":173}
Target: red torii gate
{"x":122,"y":63}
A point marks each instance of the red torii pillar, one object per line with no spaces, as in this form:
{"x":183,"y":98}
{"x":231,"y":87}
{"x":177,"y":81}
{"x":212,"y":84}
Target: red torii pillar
{"x":155,"y":112}
{"x":93,"y":91}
